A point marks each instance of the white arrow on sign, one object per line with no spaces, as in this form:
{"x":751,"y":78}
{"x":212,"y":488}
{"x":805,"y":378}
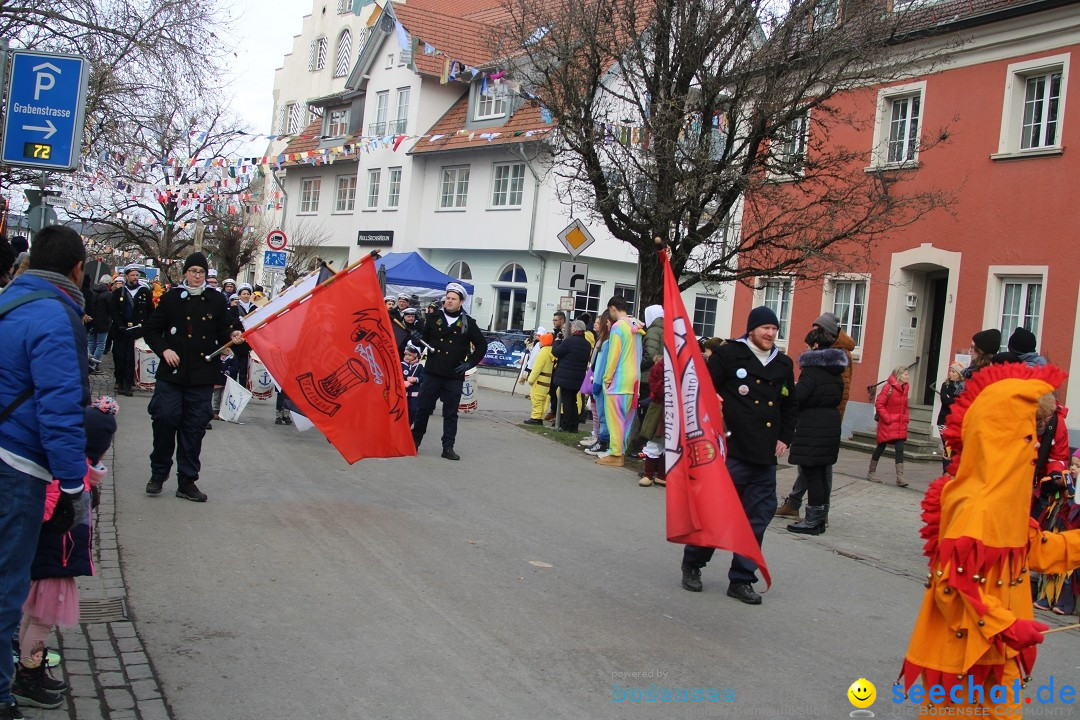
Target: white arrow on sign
{"x":49,"y":131}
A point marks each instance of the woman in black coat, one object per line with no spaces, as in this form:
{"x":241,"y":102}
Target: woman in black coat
{"x":573,"y":360}
{"x":817,"y":434}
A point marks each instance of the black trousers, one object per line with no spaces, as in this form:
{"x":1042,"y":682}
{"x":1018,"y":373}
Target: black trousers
{"x":756,"y":485}
{"x":568,"y":403}
{"x":179,"y":415}
{"x":124,"y":358}
{"x":432,"y":390}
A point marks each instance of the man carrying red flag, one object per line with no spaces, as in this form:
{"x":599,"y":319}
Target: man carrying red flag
{"x":756,"y":383}
{"x":704,"y":507}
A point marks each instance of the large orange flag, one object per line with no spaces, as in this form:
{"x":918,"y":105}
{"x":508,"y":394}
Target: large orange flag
{"x":333,"y":353}
{"x":702,"y":505}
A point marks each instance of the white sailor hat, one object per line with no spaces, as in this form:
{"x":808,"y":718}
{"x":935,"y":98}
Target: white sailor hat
{"x":459,"y":289}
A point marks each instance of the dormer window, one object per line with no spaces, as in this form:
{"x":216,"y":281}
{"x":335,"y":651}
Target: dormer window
{"x":489,"y":106}
{"x":337,"y":122}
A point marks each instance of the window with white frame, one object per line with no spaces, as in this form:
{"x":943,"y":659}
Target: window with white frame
{"x":374,"y":176}
{"x":346,"y":193}
{"x":511,"y":291}
{"x":382,"y":107}
{"x":629,"y":294}
{"x":313,"y":114}
{"x":588,"y":301}
{"x":344,"y":54}
{"x":389,"y":61}
{"x":776,"y":294}
{"x":460,"y":270}
{"x":1031,"y":117}
{"x":401,"y":118}
{"x":309,"y":194}
{"x":317,"y":54}
{"x":344,"y":6}
{"x":849,"y":304}
{"x":284,"y":115}
{"x":705,"y":316}
{"x":337,"y":122}
{"x":1021,"y":303}
{"x":454,"y":187}
{"x":290,"y":119}
{"x":898,"y":123}
{"x":826,"y":13}
{"x":789,"y":152}
{"x":507,"y":184}
{"x":393,"y":188}
{"x":489,"y":105}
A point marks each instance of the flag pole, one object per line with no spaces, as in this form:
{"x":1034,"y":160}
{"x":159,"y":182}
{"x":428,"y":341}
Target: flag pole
{"x":374,"y":254}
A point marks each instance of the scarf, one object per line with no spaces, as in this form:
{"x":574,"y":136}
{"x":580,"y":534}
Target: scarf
{"x":196,"y":291}
{"x":62,"y":282}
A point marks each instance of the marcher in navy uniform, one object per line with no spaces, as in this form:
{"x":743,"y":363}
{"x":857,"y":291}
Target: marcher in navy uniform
{"x":457,"y":345}
{"x":99,"y":308}
{"x":190,"y":322}
{"x":242,"y":353}
{"x":757,"y":384}
{"x":44,"y":391}
{"x":131,"y":306}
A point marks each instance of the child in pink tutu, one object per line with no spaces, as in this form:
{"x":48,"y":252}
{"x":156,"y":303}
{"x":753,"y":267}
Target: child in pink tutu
{"x":62,"y":555}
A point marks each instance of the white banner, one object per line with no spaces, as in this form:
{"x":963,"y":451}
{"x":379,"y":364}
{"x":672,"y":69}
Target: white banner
{"x":233,"y":401}
{"x":278,"y":303}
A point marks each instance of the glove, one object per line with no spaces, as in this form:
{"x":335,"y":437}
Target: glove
{"x":1023,"y":634}
{"x":460,"y":369}
{"x":67,"y":513}
{"x":416,"y":339}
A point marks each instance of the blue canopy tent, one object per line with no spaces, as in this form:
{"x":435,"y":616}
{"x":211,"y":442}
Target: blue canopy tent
{"x":411,"y":274}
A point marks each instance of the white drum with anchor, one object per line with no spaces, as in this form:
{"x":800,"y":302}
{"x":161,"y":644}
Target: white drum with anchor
{"x":259,"y":382}
{"x":146,"y":365}
{"x":468,"y":392}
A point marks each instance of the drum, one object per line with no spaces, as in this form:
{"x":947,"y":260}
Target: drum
{"x":259,"y":381}
{"x":468,"y":392}
{"x":146,"y":365}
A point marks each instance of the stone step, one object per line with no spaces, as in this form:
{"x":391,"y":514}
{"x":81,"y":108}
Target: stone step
{"x":913,"y":451}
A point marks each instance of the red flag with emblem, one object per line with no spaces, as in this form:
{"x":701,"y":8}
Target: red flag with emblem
{"x":703,"y":507}
{"x":333,"y":353}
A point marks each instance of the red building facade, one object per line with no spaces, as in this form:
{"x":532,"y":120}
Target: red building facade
{"x":1007,"y":252}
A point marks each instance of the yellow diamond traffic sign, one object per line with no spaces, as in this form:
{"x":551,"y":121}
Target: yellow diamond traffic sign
{"x":576,"y":238}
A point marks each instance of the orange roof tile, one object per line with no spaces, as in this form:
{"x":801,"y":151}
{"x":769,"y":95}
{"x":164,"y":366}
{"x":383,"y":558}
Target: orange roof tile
{"x":526,"y":119}
{"x":309,"y":139}
{"x":456,"y":37}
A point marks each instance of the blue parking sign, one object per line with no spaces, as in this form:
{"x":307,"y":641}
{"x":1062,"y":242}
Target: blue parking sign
{"x":274,"y":259}
{"x":46,"y":105}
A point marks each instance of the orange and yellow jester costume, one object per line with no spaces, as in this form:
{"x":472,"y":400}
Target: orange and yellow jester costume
{"x":975,"y":624}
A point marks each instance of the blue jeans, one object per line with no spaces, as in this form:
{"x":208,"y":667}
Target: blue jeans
{"x":22,"y":504}
{"x":95,"y":344}
{"x":598,"y":408}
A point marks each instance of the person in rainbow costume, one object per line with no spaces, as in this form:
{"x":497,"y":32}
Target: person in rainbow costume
{"x":975,"y":626}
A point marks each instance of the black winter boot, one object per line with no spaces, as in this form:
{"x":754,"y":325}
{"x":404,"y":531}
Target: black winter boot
{"x":814,"y":524}
{"x":28,"y":688}
{"x":691,"y":578}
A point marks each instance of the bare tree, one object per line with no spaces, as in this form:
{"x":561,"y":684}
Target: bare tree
{"x":139,"y":52}
{"x":150,"y":198}
{"x":672,"y":113}
{"x":305,"y":241}
{"x":229,"y":243}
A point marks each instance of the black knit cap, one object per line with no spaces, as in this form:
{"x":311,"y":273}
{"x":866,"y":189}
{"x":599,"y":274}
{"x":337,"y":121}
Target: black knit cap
{"x":196,"y":259}
{"x":989,"y":341}
{"x":1022,"y":341}
{"x":759,"y":316}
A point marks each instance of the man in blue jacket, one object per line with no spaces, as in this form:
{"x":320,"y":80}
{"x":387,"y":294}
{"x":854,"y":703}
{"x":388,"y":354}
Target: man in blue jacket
{"x":43,"y":392}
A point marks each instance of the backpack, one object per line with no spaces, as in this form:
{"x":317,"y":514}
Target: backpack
{"x":4,"y":310}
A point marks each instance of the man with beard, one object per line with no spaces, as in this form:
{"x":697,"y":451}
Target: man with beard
{"x":757,"y":384}
{"x":131,"y":306}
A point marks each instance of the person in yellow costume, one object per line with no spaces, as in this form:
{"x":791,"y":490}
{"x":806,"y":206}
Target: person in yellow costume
{"x":540,"y":379}
{"x":975,"y":626}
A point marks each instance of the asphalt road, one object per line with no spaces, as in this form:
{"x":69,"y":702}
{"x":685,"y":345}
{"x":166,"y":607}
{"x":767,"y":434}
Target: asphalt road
{"x":521,"y":582}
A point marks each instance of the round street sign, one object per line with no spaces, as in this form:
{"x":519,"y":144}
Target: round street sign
{"x":276,"y":240}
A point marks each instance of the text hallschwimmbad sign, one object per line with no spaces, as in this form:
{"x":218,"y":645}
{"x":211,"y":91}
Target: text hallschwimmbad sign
{"x":375,"y":237}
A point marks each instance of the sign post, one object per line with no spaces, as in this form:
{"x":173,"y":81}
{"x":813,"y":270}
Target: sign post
{"x":46,"y":106}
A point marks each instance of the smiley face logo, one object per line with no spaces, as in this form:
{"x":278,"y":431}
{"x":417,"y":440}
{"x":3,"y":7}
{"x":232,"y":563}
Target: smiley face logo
{"x":862,"y":693}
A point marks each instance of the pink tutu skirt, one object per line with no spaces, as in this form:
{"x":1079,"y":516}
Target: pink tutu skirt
{"x":53,"y":601}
